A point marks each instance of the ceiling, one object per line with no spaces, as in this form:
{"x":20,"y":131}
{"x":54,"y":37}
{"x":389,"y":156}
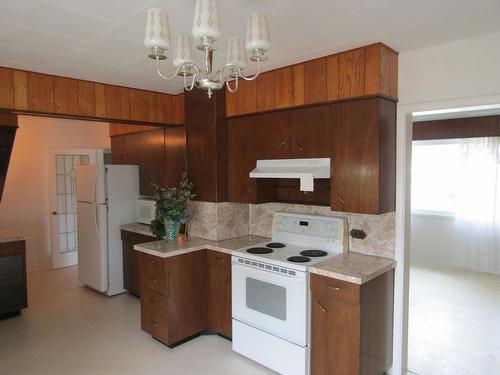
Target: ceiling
{"x":101,"y":40}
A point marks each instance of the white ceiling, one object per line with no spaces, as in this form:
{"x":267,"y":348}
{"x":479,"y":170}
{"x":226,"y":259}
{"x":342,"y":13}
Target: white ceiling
{"x":101,"y":40}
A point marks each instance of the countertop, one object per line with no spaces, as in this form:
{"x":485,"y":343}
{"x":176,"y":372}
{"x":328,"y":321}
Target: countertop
{"x":137,"y":228}
{"x":353,"y":267}
{"x":11,"y":236}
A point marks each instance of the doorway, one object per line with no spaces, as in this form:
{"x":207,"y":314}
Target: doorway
{"x":454,"y":268}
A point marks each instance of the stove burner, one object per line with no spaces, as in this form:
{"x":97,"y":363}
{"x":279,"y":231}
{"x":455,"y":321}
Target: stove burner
{"x":259,"y":250}
{"x":313,"y":253}
{"x":275,"y":245}
{"x":299,"y":259}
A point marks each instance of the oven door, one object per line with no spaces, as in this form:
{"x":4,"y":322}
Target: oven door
{"x":270,"y":300}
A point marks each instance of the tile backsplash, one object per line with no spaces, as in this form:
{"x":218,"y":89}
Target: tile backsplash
{"x":219,"y":221}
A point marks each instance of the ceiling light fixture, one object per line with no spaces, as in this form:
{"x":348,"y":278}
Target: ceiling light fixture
{"x":206,"y":29}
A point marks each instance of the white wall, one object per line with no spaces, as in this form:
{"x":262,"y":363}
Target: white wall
{"x":25,"y":201}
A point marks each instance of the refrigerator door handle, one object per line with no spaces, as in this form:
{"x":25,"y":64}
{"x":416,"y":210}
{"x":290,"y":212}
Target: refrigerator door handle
{"x":96,"y":222}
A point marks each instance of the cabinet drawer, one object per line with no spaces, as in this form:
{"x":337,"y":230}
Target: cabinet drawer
{"x":153,"y":301}
{"x":154,"y":323}
{"x":152,"y":274}
{"x":334,"y":288}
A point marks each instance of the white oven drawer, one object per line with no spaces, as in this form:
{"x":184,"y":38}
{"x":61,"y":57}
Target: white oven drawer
{"x":274,"y":302}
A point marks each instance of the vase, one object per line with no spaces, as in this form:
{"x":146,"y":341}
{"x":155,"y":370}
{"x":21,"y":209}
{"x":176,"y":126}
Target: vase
{"x":172,"y":229}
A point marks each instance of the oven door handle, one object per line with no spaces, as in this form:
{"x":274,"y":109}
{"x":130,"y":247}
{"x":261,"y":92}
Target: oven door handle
{"x":262,"y":271}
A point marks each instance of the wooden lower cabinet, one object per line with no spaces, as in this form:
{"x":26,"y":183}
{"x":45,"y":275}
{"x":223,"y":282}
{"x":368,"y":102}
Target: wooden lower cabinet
{"x":219,"y":299}
{"x":351,"y":326}
{"x":131,"y":261}
{"x":13,"y":285}
{"x":185,"y":295}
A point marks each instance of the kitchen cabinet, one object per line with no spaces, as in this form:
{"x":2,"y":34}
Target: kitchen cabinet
{"x":174,"y":296}
{"x":363,"y":134}
{"x":265,"y":89}
{"x":6,"y":88}
{"x":351,"y":325}
{"x":86,"y":99}
{"x":310,"y":133}
{"x":351,"y":73}
{"x":219,"y":299}
{"x":20,"y":89}
{"x":315,"y":81}
{"x":131,"y":260}
{"x":125,"y":149}
{"x":150,"y":160}
{"x":13,"y":285}
{"x":283,"y":87}
{"x":298,"y":84}
{"x":139,"y":105}
{"x":66,"y":95}
{"x":8,"y":128}
{"x":175,"y":163}
{"x":40,"y":92}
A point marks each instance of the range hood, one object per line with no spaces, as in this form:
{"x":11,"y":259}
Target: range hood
{"x":304,"y":169}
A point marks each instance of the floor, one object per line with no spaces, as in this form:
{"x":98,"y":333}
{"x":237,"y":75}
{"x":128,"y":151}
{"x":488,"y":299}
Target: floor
{"x":68,"y":329}
{"x":454,"y":321}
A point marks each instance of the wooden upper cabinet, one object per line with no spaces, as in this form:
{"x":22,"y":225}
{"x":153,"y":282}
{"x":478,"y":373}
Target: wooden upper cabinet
{"x":86,"y":98}
{"x":273,"y":135}
{"x":352,"y":73}
{"x":165,"y":109}
{"x":178,"y":108}
{"x":231,"y":103}
{"x":66,"y":95}
{"x":381,"y":75}
{"x":332,"y":77}
{"x":175,"y":163}
{"x":363,"y":134}
{"x":124,"y":103}
{"x":315,"y":81}
{"x":151,"y":157}
{"x":139,"y":105}
{"x":20,"y":90}
{"x":100,"y":100}
{"x":309,"y":132}
{"x":298,"y":84}
{"x":265,"y":90}
{"x":113,"y":101}
{"x":6,"y":88}
{"x":245,"y":98}
{"x":40,"y":92}
{"x":283,"y":87}
{"x":152,"y":106}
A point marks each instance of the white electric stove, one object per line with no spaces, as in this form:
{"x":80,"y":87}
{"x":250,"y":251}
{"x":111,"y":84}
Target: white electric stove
{"x":270,"y":289}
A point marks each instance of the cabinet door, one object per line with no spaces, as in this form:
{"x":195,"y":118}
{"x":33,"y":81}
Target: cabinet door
{"x":241,"y":142}
{"x":139,"y":105}
{"x":265,"y":89}
{"x":131,"y":148}
{"x":283,"y":87}
{"x":315,"y":81}
{"x":272,"y":136}
{"x":352,"y":73}
{"x":117,"y":152}
{"x":130,"y":269}
{"x":309,"y":133}
{"x":40,"y":92}
{"x":151,"y":160}
{"x":66,"y":95}
{"x":175,"y":156}
{"x":113,"y":101}
{"x":335,"y":336}
{"x":20,"y":89}
{"x":219,"y":281}
{"x":6,"y":88}
{"x":86,"y":98}
{"x":165,"y":109}
{"x":355,"y":171}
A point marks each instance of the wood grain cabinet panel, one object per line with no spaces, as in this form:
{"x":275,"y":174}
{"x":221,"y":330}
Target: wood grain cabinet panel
{"x":272,"y":136}
{"x":150,"y":159}
{"x":265,"y":88}
{"x":86,"y":98}
{"x":315,"y":81}
{"x":139,"y":105}
{"x":352,"y":73}
{"x":113,"y":102}
{"x":6,"y":88}
{"x":13,"y":284}
{"x":332,"y":77}
{"x":165,"y":109}
{"x":351,"y":336}
{"x":283,"y":87}
{"x":124,"y":103}
{"x":310,"y":133}
{"x":298,"y":84}
{"x":117,"y":149}
{"x":231,"y":109}
{"x":20,"y":89}
{"x":178,"y":108}
{"x":381,"y":76}
{"x":152,"y":106}
{"x":66,"y":96}
{"x":363,"y":134}
{"x":41,"y":92}
{"x":100,"y":100}
{"x":219,"y":301}
{"x":175,"y":163}
{"x":250,"y":102}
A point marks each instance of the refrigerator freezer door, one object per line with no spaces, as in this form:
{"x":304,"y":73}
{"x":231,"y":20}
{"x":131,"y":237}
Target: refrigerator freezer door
{"x":92,"y":245}
{"x":90,"y":183}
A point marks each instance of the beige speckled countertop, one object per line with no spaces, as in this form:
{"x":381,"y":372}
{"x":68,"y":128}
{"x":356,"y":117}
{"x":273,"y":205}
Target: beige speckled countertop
{"x":11,"y":236}
{"x":189,"y":244}
{"x":353,"y":267}
{"x":137,"y":228}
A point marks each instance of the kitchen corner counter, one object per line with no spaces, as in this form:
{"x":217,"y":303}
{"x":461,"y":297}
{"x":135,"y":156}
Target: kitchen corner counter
{"x":189,"y":244}
{"x":11,"y":236}
{"x":137,"y":228}
{"x":353,"y":267}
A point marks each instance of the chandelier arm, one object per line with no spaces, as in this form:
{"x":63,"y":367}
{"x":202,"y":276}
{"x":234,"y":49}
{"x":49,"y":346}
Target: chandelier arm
{"x":193,"y":81}
{"x":168,"y":78}
{"x":228,"y":85}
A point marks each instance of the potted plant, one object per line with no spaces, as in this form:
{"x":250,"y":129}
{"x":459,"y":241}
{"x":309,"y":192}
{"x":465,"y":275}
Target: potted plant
{"x":171,"y":209}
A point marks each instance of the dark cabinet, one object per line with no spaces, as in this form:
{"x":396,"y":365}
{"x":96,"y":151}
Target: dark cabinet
{"x":131,"y":261}
{"x":363,"y":134}
{"x":310,"y":133}
{"x":175,"y":163}
{"x":351,"y":326}
{"x":13,"y":285}
{"x":151,"y":160}
{"x":8,"y":128}
{"x":219,"y":301}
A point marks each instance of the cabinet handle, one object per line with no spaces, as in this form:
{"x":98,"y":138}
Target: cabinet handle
{"x":250,"y":190}
{"x":154,"y":324}
{"x":341,"y":198}
{"x":219,"y":258}
{"x":281,"y":145}
{"x":333,"y":287}
{"x":321,"y":306}
{"x":299,"y":146}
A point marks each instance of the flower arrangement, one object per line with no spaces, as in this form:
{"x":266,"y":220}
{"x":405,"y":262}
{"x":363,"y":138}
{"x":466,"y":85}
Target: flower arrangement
{"x":171,"y":208}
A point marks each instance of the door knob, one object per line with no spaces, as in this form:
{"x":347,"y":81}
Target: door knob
{"x":54,"y":213}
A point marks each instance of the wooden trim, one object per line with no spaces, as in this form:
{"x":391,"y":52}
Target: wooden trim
{"x":469,"y":127}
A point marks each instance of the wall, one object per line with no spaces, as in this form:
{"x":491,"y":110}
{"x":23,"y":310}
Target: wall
{"x":25,"y":202}
{"x":218,"y":221}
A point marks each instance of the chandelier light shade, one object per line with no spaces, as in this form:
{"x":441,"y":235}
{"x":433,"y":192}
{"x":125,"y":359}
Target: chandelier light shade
{"x":157,"y":31}
{"x":206,"y":20}
{"x":236,"y":53}
{"x":183,"y":50}
{"x":257,"y":32}
{"x":206,"y":31}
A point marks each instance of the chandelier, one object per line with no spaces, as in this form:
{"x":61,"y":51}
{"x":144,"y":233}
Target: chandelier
{"x":206,"y":29}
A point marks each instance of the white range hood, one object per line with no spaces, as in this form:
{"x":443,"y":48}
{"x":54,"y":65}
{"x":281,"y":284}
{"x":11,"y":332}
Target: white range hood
{"x":304,"y":169}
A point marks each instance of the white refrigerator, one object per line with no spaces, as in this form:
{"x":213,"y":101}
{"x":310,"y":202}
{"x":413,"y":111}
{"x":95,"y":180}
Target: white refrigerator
{"x":105,"y":199}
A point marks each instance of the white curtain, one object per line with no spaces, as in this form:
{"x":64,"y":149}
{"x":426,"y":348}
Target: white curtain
{"x":478,"y":202}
